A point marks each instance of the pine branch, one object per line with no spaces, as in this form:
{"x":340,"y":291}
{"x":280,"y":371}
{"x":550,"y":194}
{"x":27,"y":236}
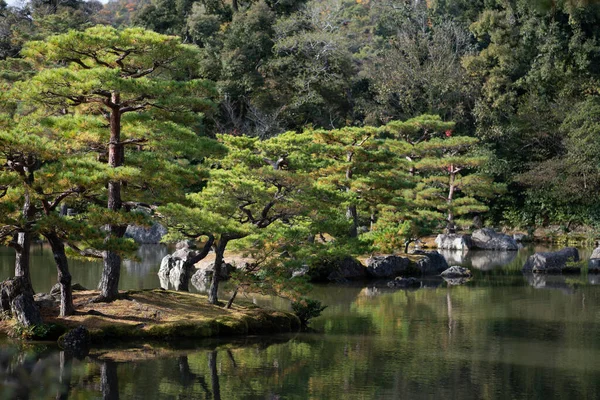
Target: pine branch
{"x":85,"y":252}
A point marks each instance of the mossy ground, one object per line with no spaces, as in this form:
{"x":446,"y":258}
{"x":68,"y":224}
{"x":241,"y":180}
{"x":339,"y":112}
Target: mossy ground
{"x":163,"y":314}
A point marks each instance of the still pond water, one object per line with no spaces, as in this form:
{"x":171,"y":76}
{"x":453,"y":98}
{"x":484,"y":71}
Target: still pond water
{"x":501,"y":336}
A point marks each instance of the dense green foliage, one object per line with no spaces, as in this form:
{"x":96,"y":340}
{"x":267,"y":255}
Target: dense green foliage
{"x":347,"y":124}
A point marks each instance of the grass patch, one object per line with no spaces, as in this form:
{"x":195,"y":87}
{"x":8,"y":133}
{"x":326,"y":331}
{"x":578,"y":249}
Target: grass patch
{"x":163,"y":314}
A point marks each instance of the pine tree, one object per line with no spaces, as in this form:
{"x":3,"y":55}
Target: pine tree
{"x":450,"y":182}
{"x":129,"y":79}
{"x":250,"y":191}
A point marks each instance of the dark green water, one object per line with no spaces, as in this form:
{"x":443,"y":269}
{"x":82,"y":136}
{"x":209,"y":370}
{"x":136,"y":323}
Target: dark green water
{"x":501,"y":336}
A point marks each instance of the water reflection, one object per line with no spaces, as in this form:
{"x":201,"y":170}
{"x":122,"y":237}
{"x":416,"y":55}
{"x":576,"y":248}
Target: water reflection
{"x":483,"y":260}
{"x":554,"y":282}
{"x":501,"y":341}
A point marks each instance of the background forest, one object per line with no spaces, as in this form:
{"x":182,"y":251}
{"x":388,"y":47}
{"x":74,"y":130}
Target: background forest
{"x":522,"y":76}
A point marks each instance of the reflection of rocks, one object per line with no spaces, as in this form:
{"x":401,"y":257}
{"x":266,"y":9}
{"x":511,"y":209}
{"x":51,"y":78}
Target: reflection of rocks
{"x":457,"y":281}
{"x":488,"y":239}
{"x":552,"y":262}
{"x":453,"y":242}
{"x":387,"y":266}
{"x":432,"y":262}
{"x":454,"y":257}
{"x":432,"y":282}
{"x":594,"y":266}
{"x":404,"y":283}
{"x":456,"y":272}
{"x":555,"y":282}
{"x":488,"y":260}
{"x":594,"y":279}
{"x":484,"y":260}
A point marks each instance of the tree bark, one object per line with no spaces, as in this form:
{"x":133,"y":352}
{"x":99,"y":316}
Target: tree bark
{"x":450,"y":226}
{"x":219,"y":247}
{"x":352,"y":215}
{"x":64,"y":277}
{"x":232,"y":298}
{"x":351,"y":212}
{"x":23,"y":247}
{"x":109,"y":283}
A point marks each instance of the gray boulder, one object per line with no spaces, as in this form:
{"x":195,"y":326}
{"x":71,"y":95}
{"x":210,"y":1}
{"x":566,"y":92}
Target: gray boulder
{"x":335,"y":269}
{"x":521,"y":237}
{"x":179,"y":275}
{"x":594,"y":262}
{"x":16,"y":299}
{"x":488,"y":239}
{"x":456,"y":272}
{"x":432,"y":262}
{"x":300,"y":272}
{"x":146,"y":235}
{"x":204,"y":274}
{"x":55,"y":291}
{"x":348,"y":268}
{"x":45,"y":300}
{"x":174,"y":272}
{"x":387,"y":266}
{"x":405,"y":283}
{"x":24,"y":309}
{"x":453,"y":242}
{"x":552,"y":262}
{"x":176,"y":269}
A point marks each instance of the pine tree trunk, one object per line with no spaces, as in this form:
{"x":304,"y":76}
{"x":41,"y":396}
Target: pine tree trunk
{"x":22,"y":260}
{"x":232,"y":298}
{"x":23,"y":248}
{"x":213,"y":293}
{"x":450,"y":226}
{"x":109,"y":283}
{"x":64,"y":277}
{"x":351,"y":212}
{"x":352,"y":215}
